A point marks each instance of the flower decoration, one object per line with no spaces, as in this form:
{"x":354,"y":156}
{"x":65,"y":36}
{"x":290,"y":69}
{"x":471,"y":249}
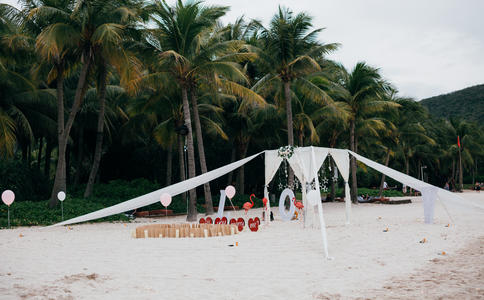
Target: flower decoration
{"x":286,"y":152}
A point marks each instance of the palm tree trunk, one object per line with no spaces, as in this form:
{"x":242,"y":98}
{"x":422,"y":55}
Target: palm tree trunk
{"x":181,"y":159}
{"x":201,"y":152}
{"x":461,"y":183}
{"x":232,"y":159}
{"x":453,"y":169}
{"x":290,"y":130}
{"x":241,"y":176}
{"x":63,"y":132}
{"x":419,"y":172}
{"x":332,"y":187}
{"x":80,"y":154}
{"x":39,"y":155}
{"x":100,"y":131}
{"x":169,"y":162}
{"x":48,"y":155}
{"x":407,"y":165}
{"x":192,"y":207}
{"x":60,"y":176}
{"x":354,"y":189}
{"x":68,"y":163}
{"x":387,"y":160}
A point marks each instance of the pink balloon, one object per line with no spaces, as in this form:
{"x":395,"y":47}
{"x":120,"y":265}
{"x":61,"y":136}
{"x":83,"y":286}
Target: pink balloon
{"x":165,"y":199}
{"x":7,"y":197}
{"x":230,"y":191}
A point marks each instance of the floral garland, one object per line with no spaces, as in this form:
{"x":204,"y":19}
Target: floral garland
{"x":286,"y":152}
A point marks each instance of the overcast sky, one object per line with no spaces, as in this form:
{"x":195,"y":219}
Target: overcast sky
{"x":424,"y":47}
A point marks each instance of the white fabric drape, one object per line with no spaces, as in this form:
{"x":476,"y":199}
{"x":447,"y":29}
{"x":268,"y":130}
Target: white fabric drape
{"x":432,"y":192}
{"x":306,"y":169}
{"x":320,"y":206}
{"x":154,"y":197}
{"x":429,"y":195}
{"x":271,"y":164}
{"x":302,"y":164}
{"x":342,"y":160}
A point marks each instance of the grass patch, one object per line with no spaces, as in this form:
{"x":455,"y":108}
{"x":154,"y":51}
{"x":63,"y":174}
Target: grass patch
{"x":28,"y":213}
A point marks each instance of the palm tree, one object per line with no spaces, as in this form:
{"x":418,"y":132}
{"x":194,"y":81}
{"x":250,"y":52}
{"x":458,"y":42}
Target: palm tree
{"x":469,"y":135}
{"x":360,"y":89}
{"x":12,"y":82}
{"x":111,"y":20}
{"x":290,"y":51}
{"x":26,"y":109}
{"x":192,"y":55}
{"x":60,"y":42}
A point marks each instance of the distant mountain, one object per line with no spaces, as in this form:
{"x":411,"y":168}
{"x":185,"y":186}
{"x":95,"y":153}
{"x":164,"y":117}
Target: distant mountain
{"x":467,"y":104}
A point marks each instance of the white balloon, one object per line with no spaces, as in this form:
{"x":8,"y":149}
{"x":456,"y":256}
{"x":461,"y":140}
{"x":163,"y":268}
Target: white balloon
{"x":61,"y":196}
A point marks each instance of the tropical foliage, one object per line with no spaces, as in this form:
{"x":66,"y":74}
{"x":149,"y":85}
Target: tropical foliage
{"x":93,"y":91}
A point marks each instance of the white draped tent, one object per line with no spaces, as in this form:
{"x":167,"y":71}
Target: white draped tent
{"x":305,"y":162}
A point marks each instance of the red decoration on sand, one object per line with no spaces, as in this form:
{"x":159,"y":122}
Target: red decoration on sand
{"x":223,"y":220}
{"x":202,"y":221}
{"x":253,"y":226}
{"x":217,"y":221}
{"x":257,"y":220}
{"x":240,"y":223}
{"x":233,"y":221}
{"x":209,"y":220}
{"x":248,"y":205}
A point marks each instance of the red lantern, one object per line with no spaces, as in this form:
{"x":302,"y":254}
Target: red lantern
{"x":202,"y":221}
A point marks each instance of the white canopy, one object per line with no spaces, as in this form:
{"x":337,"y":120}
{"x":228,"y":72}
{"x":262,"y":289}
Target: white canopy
{"x":306,"y":162}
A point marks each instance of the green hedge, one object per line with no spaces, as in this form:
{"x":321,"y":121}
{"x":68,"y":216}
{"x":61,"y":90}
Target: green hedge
{"x":29,"y":213}
{"x":371,"y":192}
{"x":27,"y":183}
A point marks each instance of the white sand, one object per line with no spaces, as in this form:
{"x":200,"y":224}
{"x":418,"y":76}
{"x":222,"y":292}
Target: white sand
{"x":282,"y":261}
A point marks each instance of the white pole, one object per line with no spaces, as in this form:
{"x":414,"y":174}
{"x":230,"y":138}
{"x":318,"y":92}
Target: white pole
{"x":320,"y":206}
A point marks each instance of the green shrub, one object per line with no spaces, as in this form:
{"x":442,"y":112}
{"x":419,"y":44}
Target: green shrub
{"x":117,"y":189}
{"x":27,"y":183}
{"x":28,"y":213}
{"x":371,"y":192}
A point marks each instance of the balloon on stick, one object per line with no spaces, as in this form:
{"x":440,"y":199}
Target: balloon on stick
{"x":165,"y":200}
{"x":8,"y":197}
{"x":230,"y":192}
{"x":61,"y":196}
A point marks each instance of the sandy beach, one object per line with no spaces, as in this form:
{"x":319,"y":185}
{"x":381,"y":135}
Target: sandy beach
{"x":280,"y":261}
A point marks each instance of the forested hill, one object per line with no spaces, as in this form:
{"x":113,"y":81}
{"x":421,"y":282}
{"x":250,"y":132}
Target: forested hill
{"x":467,"y":104}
